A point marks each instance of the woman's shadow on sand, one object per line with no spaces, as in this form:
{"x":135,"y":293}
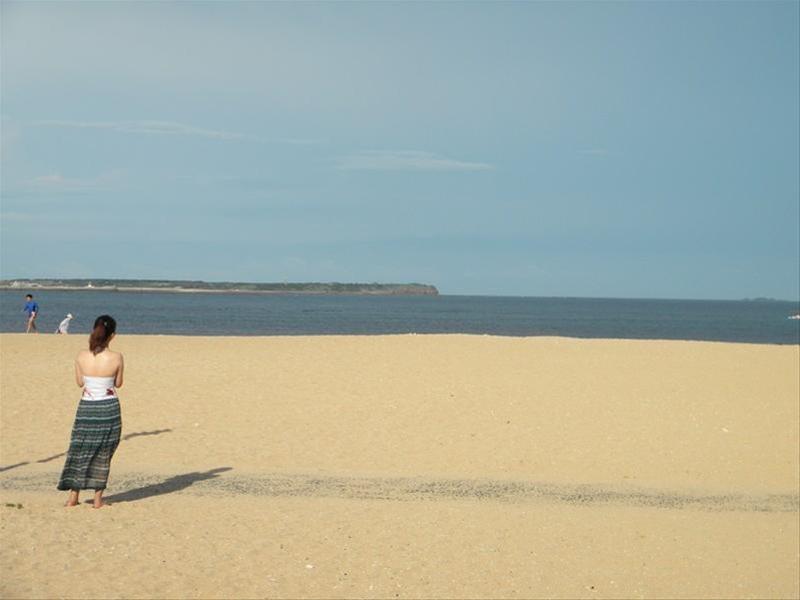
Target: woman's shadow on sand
{"x":173,"y":484}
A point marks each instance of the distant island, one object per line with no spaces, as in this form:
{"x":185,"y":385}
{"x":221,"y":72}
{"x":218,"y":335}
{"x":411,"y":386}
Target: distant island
{"x":232,"y":287}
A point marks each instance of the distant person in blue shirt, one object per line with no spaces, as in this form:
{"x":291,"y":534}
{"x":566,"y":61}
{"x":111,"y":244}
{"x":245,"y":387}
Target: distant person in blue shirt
{"x":32,"y":310}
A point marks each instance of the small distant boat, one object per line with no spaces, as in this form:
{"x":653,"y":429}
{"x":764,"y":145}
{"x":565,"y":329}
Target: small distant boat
{"x":794,"y":317}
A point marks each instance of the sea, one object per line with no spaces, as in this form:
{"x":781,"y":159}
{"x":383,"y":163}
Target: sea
{"x":237,"y":314}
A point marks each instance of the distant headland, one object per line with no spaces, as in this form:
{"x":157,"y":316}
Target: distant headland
{"x":230,"y":287}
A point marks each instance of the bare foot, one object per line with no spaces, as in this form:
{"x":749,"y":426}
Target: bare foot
{"x":98,"y":499}
{"x":72,"y":499}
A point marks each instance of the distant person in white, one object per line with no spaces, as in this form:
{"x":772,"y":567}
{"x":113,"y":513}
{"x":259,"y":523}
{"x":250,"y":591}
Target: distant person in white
{"x":63,"y":327}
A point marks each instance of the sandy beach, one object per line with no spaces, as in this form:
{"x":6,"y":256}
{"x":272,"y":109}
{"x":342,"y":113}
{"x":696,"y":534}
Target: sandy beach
{"x":422,"y":466}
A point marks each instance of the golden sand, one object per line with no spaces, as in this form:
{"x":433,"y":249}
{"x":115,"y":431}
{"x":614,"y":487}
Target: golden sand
{"x":443,"y":466}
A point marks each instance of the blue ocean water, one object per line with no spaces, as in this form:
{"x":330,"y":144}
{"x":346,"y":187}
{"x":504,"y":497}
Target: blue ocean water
{"x":256,"y":314}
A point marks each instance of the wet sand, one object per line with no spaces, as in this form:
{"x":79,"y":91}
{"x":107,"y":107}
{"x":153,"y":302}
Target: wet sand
{"x":410,"y":466}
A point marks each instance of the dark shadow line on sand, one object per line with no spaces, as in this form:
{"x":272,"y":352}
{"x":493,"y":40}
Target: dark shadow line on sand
{"x":9,"y":467}
{"x":415,"y":489}
{"x":127,"y":436}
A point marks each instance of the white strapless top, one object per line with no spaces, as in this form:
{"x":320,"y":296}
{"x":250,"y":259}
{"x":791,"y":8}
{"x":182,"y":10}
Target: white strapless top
{"x":98,"y":388}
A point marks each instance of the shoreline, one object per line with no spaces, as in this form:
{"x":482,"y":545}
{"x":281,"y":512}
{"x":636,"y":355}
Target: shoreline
{"x":563,"y":338}
{"x":235,"y":291}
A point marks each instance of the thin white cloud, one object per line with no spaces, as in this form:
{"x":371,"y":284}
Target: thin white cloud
{"x":173,"y":128}
{"x":56,"y":182}
{"x":406,"y":160}
{"x":300,"y":141}
{"x":150,"y":128}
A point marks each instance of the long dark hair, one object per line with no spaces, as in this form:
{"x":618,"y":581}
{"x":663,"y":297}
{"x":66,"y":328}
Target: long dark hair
{"x":104,"y":327}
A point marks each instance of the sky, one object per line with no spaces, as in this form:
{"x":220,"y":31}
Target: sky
{"x":643,"y":149}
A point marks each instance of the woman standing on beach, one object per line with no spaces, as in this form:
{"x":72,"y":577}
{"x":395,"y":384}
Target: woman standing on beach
{"x":98,"y":424}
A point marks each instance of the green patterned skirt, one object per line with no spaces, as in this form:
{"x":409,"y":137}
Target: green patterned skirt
{"x":95,"y":437}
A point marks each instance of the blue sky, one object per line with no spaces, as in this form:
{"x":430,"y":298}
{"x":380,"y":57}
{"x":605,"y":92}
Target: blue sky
{"x":644,"y":149}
